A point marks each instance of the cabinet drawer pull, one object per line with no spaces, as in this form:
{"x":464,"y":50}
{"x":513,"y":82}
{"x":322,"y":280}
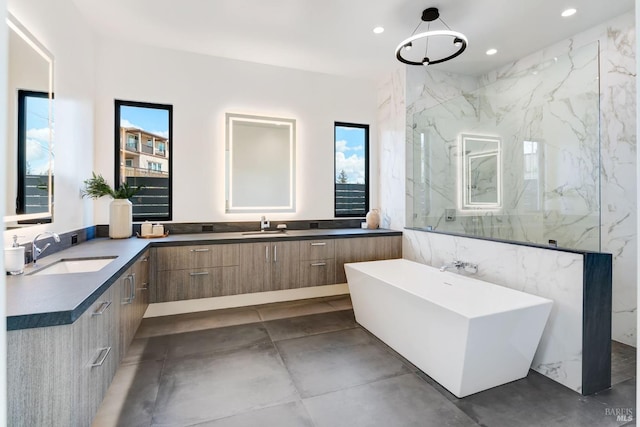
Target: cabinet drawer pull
{"x":103,"y":307}
{"x":200,"y":250}
{"x":199,"y":273}
{"x":318,"y":264}
{"x":266,"y":253}
{"x":129,"y":299}
{"x":319,"y":244}
{"x":145,"y":259}
{"x":133,"y":286}
{"x":275,"y":253}
{"x":102,"y":356}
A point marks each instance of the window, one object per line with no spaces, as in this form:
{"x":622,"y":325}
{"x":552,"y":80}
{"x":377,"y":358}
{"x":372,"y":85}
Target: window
{"x":141,"y":121}
{"x":351,"y":169}
{"x":35,"y":155}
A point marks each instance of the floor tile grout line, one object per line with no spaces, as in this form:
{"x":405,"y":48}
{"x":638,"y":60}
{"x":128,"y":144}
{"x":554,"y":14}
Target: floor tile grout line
{"x":155,"y":400}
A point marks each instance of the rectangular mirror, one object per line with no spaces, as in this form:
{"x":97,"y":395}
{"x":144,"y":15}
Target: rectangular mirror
{"x":481,"y":172}
{"x":260,"y":164}
{"x":29,"y":156}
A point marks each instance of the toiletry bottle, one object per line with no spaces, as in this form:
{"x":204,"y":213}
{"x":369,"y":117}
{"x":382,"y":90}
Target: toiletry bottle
{"x":14,"y":258}
{"x":146,"y":229}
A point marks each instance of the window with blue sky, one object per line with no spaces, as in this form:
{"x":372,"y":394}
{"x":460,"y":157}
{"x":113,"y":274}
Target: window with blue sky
{"x":143,"y":156}
{"x":351,"y":169}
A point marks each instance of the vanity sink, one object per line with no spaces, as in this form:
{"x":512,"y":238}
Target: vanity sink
{"x":75,"y":265}
{"x":264,"y":232}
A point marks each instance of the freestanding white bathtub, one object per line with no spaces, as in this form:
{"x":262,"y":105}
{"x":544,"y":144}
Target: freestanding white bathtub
{"x":467,"y":334}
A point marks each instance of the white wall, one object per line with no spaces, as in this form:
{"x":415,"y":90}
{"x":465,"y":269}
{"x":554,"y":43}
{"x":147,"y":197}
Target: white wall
{"x":3,"y":147}
{"x":62,"y":30}
{"x":202,"y":89}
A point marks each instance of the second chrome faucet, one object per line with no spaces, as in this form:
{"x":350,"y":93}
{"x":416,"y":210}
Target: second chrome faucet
{"x":461,"y":265}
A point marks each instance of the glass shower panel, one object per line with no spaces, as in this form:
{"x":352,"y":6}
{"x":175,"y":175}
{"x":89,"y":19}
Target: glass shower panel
{"x":546,"y":119}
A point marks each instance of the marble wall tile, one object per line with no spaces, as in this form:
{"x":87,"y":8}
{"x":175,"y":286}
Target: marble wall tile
{"x":392,"y":143}
{"x":551,"y":274}
{"x":618,"y":139}
{"x":571,"y":217}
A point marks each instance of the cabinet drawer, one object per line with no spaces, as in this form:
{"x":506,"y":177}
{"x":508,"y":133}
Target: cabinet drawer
{"x":317,"y":249}
{"x":180,"y":285}
{"x":200,"y":256}
{"x":317,"y":272}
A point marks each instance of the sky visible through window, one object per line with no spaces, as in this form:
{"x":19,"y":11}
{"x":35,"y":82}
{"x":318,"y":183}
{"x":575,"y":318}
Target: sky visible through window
{"x":152,"y":120}
{"x":350,"y":154}
{"x":37,"y":123}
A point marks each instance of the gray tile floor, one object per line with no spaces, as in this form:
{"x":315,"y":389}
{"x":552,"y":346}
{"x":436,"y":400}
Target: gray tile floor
{"x":309,"y":364}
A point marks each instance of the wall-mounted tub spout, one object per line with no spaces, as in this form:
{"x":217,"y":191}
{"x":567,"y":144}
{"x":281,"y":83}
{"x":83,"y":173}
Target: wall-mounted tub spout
{"x":461,"y":265}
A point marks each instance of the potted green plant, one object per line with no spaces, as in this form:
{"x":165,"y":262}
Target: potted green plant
{"x":120,"y":209}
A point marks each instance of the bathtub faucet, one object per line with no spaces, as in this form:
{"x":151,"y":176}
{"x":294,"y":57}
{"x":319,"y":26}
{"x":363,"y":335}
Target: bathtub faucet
{"x":455,"y":264}
{"x":461,"y":265}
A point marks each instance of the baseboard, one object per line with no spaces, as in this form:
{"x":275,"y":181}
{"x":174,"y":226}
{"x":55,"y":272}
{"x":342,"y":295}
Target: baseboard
{"x":243,"y":300}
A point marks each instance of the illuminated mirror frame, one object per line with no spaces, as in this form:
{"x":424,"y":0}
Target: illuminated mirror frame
{"x":464,"y":165}
{"x":232,"y":206}
{"x":15,"y":26}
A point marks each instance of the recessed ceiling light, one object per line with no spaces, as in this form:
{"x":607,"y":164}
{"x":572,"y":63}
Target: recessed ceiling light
{"x":492,"y":52}
{"x":568,"y":12}
{"x":378,"y":30}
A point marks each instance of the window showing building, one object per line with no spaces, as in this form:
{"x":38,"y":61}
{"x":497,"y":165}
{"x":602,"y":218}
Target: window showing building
{"x":351,"y":143}
{"x":143,"y":164}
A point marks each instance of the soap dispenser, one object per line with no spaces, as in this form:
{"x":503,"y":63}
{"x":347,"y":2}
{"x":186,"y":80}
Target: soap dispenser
{"x":14,"y":258}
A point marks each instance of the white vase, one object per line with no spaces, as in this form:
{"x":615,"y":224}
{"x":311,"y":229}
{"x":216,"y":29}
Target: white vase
{"x":373,"y":219}
{"x":120,"y":219}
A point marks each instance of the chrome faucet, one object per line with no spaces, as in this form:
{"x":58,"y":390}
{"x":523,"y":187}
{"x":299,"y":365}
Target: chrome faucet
{"x":36,"y":251}
{"x":461,"y":265}
{"x":264,"y":223}
{"x":455,"y":264}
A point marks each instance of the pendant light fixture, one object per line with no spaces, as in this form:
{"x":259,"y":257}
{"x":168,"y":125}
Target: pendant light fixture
{"x":429,"y":15}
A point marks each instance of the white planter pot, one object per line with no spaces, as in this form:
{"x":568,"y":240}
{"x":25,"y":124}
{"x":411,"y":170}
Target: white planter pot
{"x":120,"y":219}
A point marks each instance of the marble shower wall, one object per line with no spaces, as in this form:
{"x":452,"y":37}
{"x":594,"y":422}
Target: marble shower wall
{"x":617,"y":233}
{"x":391,"y":135}
{"x":546,"y":119}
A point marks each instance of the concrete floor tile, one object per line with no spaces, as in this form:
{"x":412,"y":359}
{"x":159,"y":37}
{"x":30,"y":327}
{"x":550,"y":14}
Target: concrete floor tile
{"x":217,"y":339}
{"x":402,"y":401}
{"x":328,"y":362}
{"x":296,"y":327}
{"x":293,"y":309}
{"x":205,"y":388}
{"x":166,"y":325}
{"x":131,"y":397}
{"x":291,"y":414}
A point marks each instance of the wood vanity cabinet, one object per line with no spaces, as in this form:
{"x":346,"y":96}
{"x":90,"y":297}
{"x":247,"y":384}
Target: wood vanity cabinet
{"x":58,"y":375}
{"x":133,"y":291}
{"x":269,"y":266}
{"x":361,"y":249}
{"x":317,"y":263}
{"x":200,"y":271}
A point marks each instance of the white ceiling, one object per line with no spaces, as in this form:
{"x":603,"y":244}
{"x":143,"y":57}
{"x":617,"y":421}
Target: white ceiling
{"x":335,"y":36}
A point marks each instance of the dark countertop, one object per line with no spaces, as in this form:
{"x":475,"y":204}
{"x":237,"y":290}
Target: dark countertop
{"x":59,"y":299}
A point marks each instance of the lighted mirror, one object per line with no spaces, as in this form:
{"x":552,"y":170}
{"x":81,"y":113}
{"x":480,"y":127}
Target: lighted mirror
{"x":260,"y":164}
{"x":481,"y":172}
{"x":29,"y":153}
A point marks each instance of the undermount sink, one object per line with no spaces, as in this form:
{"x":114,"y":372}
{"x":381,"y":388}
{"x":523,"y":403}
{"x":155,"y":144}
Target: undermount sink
{"x":258,"y":233}
{"x":75,"y":265}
